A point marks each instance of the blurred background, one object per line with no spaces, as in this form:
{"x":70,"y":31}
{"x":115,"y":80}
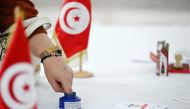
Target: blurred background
{"x":127,"y":30}
{"x":129,"y":11}
{"x":123,"y":33}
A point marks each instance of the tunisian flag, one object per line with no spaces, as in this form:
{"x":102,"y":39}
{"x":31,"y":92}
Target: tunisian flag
{"x":16,"y":81}
{"x":73,"y":26}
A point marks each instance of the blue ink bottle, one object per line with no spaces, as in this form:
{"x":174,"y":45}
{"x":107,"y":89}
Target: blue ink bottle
{"x":70,"y":101}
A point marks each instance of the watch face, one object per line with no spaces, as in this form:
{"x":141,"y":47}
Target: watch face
{"x":59,"y":52}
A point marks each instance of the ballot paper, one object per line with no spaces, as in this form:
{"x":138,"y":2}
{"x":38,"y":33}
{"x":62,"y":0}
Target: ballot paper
{"x":127,"y":105}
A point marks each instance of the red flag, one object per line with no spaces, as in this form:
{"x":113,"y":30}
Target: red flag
{"x":73,"y":26}
{"x":16,"y":85}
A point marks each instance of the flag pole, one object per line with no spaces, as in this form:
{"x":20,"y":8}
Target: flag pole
{"x":80,"y":61}
{"x":81,"y":73}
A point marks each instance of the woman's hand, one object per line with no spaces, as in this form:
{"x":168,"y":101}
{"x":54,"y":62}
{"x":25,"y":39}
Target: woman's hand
{"x":59,"y":74}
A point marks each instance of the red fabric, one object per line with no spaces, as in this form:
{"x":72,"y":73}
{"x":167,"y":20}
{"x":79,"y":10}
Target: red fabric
{"x":74,"y":43}
{"x":7,"y":13}
{"x":17,"y":52}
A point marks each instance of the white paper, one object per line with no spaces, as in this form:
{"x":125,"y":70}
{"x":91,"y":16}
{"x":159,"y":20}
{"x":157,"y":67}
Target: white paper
{"x":127,"y":105}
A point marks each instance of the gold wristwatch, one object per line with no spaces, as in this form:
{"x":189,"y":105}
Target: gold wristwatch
{"x":51,"y":51}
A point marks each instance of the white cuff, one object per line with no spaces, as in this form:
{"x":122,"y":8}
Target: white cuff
{"x":31,"y":25}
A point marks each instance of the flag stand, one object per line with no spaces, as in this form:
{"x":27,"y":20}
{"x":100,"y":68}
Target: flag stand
{"x":81,"y":73}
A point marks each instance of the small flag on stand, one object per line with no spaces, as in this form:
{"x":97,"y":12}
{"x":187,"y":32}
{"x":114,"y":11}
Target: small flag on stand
{"x":16,"y":80}
{"x":72,"y":32}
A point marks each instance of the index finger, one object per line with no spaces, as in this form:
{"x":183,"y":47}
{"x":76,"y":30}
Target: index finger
{"x":67,"y":86}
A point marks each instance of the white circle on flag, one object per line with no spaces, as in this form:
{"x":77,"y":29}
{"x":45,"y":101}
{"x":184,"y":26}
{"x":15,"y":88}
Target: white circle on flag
{"x":17,"y":87}
{"x":74,"y":18}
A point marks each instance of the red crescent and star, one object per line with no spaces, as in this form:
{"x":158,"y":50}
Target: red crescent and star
{"x":26,"y":87}
{"x":76,"y":18}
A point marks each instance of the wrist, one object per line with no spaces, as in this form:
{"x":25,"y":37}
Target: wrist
{"x":50,"y":52}
{"x":51,"y":60}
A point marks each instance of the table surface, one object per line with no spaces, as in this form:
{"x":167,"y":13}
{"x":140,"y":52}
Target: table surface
{"x":119,"y":58}
{"x":107,"y":90}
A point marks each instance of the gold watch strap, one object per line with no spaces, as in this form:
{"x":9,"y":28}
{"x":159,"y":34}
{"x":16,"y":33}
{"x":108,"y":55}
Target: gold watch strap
{"x":49,"y":51}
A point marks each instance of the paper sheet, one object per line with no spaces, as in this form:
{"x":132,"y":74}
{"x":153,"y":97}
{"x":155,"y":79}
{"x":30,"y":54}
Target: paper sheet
{"x":127,"y":105}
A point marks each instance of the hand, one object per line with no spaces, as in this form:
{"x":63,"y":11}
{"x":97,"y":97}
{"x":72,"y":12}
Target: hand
{"x":59,"y":74}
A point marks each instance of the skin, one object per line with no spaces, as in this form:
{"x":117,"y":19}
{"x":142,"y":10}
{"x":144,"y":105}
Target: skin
{"x":59,"y":75}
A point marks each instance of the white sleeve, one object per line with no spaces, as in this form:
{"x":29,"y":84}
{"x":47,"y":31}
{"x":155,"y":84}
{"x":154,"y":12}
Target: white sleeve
{"x":31,"y":25}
